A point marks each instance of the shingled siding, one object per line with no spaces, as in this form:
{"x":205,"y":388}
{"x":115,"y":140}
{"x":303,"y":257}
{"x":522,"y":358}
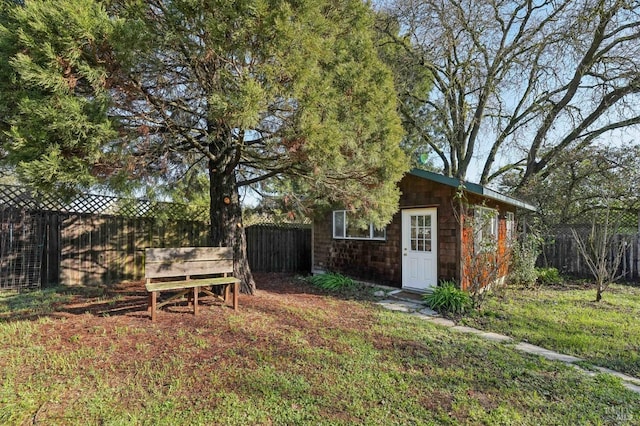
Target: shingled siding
{"x":377,"y":261}
{"x":381,"y":261}
{"x":503,"y":250}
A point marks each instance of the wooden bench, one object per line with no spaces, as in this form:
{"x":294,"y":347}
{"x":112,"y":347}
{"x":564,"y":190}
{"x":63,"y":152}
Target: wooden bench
{"x":190,"y":270}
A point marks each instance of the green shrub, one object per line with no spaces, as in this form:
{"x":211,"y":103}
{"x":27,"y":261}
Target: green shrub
{"x":332,"y":281}
{"x":522,"y":271}
{"x":548,"y":276}
{"x":447,"y":298}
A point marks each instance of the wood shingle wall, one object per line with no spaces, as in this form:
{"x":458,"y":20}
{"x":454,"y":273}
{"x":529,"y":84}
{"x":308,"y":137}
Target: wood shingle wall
{"x":381,"y":261}
{"x":368,"y":260}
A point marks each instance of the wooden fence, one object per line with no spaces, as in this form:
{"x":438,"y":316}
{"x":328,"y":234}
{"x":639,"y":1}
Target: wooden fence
{"x":279,"y":248}
{"x":561,"y":252}
{"x":89,"y":249}
{"x":84,"y":249}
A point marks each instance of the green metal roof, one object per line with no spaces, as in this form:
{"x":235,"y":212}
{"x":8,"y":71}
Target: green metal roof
{"x":473,"y":188}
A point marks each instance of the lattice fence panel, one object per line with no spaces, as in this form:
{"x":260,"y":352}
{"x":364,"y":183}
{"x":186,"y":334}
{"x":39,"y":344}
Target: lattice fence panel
{"x":91,"y":239}
{"x":22,"y":198}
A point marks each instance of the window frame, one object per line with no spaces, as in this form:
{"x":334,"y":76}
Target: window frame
{"x":481,"y":242}
{"x":421,"y":236}
{"x":510,"y":222}
{"x":345,"y":227}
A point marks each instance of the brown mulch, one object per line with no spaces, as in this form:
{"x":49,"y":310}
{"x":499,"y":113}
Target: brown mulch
{"x":117,"y":327}
{"x":108,"y":334}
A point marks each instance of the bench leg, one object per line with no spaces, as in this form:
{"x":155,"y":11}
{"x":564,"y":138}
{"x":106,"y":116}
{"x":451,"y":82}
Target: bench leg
{"x":153,"y":304}
{"x":227,"y":287}
{"x":195,"y":301}
{"x":236,"y":290}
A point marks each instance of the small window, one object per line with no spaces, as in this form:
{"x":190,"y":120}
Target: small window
{"x":338,"y":224}
{"x":343,"y":229}
{"x":485,"y":232}
{"x":421,"y":233}
{"x":511,"y":227}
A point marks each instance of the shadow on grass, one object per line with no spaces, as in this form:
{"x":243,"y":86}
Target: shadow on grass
{"x":120,"y":299}
{"x":130,"y":298}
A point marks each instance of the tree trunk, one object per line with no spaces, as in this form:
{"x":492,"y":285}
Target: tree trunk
{"x":226,"y":223}
{"x":599,"y":290}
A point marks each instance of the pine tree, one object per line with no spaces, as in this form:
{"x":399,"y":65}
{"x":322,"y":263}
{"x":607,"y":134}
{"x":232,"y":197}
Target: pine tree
{"x":130,"y":92}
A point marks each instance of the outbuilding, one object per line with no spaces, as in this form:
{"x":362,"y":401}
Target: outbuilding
{"x":445,"y":229}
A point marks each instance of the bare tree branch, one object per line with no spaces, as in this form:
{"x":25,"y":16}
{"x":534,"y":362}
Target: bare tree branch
{"x":522,"y":80}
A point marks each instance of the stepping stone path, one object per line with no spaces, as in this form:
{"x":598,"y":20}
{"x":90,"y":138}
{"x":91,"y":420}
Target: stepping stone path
{"x":396,"y":301}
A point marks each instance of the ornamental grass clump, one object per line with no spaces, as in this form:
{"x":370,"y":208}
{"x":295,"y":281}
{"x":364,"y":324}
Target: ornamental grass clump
{"x":332,"y":281}
{"x":447,"y":298}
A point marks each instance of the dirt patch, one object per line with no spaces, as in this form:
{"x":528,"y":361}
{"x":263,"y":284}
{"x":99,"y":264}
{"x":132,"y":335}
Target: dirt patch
{"x":117,"y":329}
{"x":114,"y":323}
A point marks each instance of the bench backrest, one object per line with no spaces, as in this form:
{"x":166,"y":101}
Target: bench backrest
{"x":187,"y":261}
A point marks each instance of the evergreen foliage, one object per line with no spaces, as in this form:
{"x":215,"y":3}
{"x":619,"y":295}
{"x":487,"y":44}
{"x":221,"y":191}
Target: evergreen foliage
{"x":158,"y":93}
{"x":54,"y":99}
{"x":148,"y":89}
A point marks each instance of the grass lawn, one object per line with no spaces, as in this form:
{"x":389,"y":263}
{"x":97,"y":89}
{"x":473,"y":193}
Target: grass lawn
{"x":566,"y":319}
{"x":291,"y":355}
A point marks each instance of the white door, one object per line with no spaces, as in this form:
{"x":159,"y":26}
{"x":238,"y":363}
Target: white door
{"x":419,"y":249}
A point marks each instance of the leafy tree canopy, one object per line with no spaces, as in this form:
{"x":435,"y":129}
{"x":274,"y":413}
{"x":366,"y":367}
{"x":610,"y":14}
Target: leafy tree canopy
{"x":413,"y":83}
{"x":584,"y":184}
{"x":144,"y":92}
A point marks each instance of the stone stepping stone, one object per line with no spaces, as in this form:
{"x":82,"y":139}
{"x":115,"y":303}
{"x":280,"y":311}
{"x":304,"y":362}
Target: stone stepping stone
{"x":546,"y":353}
